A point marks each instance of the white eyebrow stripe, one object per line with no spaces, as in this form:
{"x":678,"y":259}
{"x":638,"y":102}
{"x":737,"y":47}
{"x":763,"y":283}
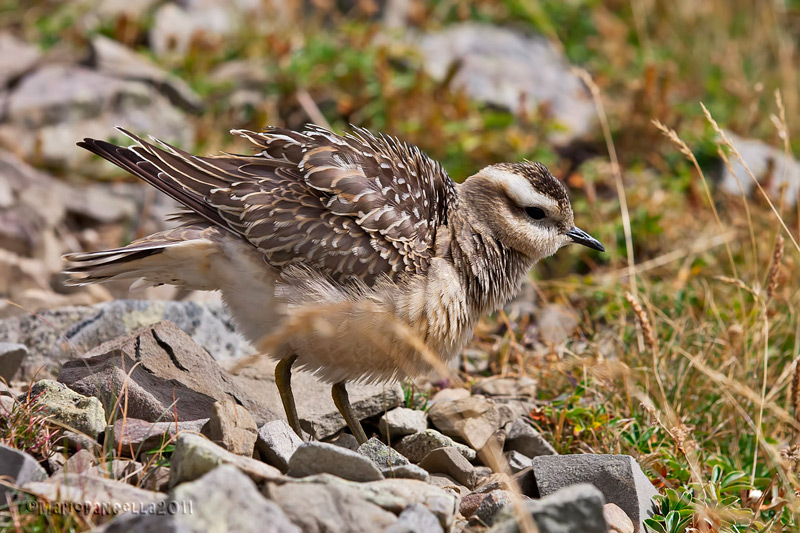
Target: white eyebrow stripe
{"x":520,"y":189}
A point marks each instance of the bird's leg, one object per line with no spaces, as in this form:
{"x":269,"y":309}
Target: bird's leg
{"x":283,"y":379}
{"x":342,"y":401}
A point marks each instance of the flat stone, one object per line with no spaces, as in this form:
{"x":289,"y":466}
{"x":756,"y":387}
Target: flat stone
{"x":572,"y":509}
{"x":523,"y":438}
{"x":222,"y":500}
{"x":618,"y":477}
{"x":416,"y":518}
{"x":345,"y":440}
{"x":517,"y":462}
{"x":232,"y":427}
{"x":390,"y":462}
{"x":331,"y":508}
{"x":408,"y":471}
{"x":402,"y":421}
{"x":318,"y":414}
{"x":500,"y":387}
{"x":474,"y":419}
{"x":450,"y":461}
{"x":79,"y":488}
{"x":195,"y":456}
{"x":617,"y":520}
{"x":137,"y":436}
{"x":11,"y":357}
{"x":66,"y":407}
{"x":276,"y":443}
{"x":165,"y":374}
{"x":322,"y":458}
{"x":416,"y":447}
{"x":79,"y":463}
{"x":449,"y":485}
{"x":19,"y":468}
{"x":490,"y":506}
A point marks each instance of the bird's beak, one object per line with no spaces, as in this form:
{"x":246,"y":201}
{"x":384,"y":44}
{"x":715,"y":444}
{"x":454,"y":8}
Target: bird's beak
{"x":581,"y":237}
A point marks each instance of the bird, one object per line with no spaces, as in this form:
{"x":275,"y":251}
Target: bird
{"x":390,"y":260}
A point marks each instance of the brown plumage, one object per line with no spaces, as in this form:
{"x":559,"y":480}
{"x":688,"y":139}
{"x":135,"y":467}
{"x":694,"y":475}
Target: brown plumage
{"x":365,"y":223}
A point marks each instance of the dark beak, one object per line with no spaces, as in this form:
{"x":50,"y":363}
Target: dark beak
{"x":581,"y":237}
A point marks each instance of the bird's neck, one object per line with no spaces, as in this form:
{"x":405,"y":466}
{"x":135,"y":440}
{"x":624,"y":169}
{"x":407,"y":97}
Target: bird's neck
{"x":491,"y":273}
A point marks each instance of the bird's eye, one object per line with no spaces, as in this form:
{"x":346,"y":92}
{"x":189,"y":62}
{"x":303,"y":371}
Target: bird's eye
{"x":536,"y":213}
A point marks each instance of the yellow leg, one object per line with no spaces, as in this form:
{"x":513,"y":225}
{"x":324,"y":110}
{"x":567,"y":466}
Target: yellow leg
{"x":342,"y":401}
{"x":283,"y":379}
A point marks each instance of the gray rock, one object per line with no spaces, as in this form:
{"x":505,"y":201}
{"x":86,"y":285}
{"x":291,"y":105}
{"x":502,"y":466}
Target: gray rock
{"x":117,"y":60}
{"x":124,"y":470}
{"x":331,"y":508}
{"x":490,"y":506}
{"x":195,"y":456}
{"x":157,"y":366}
{"x":19,"y":468}
{"x":475,"y":419}
{"x":232,"y":427}
{"x":575,"y":508}
{"x":449,"y":461}
{"x":509,"y":388}
{"x":322,"y":458}
{"x":517,"y":462}
{"x":16,"y":58}
{"x":770,"y":166}
{"x":45,"y":123}
{"x":222,"y":500}
{"x":402,"y":421}
{"x":66,"y":407}
{"x":137,"y":436}
{"x":80,"y":488}
{"x":618,"y":477}
{"x":391,"y":462}
{"x":524,"y":439}
{"x":408,"y":471}
{"x":276,"y":443}
{"x":318,"y":414}
{"x":416,"y":447}
{"x":345,"y":440}
{"x":415,"y":518}
{"x":503,"y":68}
{"x":61,"y":334}
{"x":11,"y":356}
{"x":79,"y":463}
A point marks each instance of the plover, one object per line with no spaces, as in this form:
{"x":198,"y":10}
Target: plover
{"x":362,"y":229}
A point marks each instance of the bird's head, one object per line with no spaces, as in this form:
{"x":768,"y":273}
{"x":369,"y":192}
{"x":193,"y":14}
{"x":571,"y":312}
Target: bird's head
{"x":524,"y":207}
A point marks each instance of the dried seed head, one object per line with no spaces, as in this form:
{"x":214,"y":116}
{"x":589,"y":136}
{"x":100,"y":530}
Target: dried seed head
{"x":774,"y":269}
{"x":643,"y":321}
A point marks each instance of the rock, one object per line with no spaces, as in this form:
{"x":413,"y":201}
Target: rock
{"x":104,"y":494}
{"x":449,"y":484}
{"x":16,"y":58}
{"x":330,"y":508}
{"x":501,"y":67}
{"x":556,"y":323}
{"x":474,"y":419}
{"x":618,"y":477}
{"x":318,"y":414}
{"x":155,"y":478}
{"x":510,"y":388}
{"x":402,"y":421}
{"x":323,"y":458}
{"x":770,"y":166}
{"x":19,"y":468}
{"x":195,"y":456}
{"x":408,"y":471}
{"x":450,"y":461}
{"x":222,"y":500}
{"x":416,"y":447}
{"x":276,"y":442}
{"x":390,"y":462}
{"x":61,"y":334}
{"x":524,"y":439}
{"x":79,"y":441}
{"x":80,"y":462}
{"x":164,"y":372}
{"x":517,"y":462}
{"x":490,"y":505}
{"x":45,"y":123}
{"x":617,"y":520}
{"x":117,"y":60}
{"x":127,"y":471}
{"x":11,"y":356}
{"x":392,"y":495}
{"x":232,"y":427}
{"x":449,"y":395}
{"x":575,"y":508}
{"x":136,"y":436}
{"x":345,"y":440}
{"x":415,"y":518}
{"x":68,"y":408}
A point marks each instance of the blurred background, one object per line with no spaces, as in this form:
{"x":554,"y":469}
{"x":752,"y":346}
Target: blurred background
{"x":576,"y":84}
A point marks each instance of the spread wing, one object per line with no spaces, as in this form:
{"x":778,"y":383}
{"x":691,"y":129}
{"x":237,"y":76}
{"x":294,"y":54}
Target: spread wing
{"x":354,"y":207}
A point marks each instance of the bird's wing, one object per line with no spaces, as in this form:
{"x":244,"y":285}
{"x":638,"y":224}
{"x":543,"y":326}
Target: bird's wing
{"x":354,"y":207}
